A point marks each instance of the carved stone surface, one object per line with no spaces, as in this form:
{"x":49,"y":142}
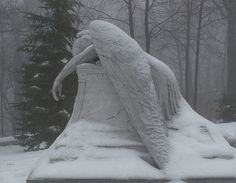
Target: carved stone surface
{"x":102,"y":116}
{"x":149,"y":91}
{"x":94,"y":85}
{"x":127,"y":65}
{"x":129,"y":117}
{"x":197,"y":180}
{"x":99,"y":128}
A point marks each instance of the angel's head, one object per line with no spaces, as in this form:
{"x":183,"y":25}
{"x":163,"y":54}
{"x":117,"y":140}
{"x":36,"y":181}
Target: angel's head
{"x":83,"y":40}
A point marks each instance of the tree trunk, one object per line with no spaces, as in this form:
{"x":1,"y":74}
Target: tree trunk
{"x":197,"y":56}
{"x":188,"y":76}
{"x":131,"y":20}
{"x":230,"y":6}
{"x":2,"y":81}
{"x":187,"y":61}
{"x":146,"y":26}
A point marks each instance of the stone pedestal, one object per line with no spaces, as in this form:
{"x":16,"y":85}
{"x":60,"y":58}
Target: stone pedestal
{"x":99,"y":140}
{"x":196,"y":180}
{"x":100,"y":144}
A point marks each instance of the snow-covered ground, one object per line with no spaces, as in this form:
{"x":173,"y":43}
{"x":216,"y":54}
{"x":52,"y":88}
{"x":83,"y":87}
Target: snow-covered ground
{"x":15,"y":164}
{"x":7,"y":139}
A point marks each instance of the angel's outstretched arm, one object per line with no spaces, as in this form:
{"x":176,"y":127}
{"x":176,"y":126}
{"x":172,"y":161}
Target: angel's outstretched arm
{"x":88,"y":55}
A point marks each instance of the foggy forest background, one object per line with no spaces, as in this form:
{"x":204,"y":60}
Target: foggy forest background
{"x":195,"y":38}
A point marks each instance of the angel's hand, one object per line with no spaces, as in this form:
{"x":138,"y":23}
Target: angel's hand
{"x":56,"y":89}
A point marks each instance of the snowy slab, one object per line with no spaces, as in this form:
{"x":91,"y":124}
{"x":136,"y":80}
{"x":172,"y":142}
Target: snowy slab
{"x":15,"y":163}
{"x":202,"y":180}
{"x":100,"y":144}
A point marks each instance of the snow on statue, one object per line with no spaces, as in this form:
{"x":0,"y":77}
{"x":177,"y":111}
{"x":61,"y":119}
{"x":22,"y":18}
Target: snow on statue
{"x":149,"y":92}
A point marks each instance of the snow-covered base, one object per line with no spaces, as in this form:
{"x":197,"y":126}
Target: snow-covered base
{"x":189,"y":146}
{"x":198,"y":147}
{"x":15,"y":164}
{"x":87,"y":150}
{"x":102,"y":143}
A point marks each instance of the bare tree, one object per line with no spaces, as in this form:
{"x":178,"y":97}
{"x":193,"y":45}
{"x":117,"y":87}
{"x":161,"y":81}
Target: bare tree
{"x":11,"y":30}
{"x":230,"y":6}
{"x":2,"y":85}
{"x":196,"y":75}
{"x":187,"y":52}
{"x":146,"y":25}
{"x":131,"y":8}
{"x":103,"y":10}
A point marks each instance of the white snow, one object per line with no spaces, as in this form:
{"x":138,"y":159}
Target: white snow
{"x":39,"y":108}
{"x":64,"y":112}
{"x":90,"y":150}
{"x":186,"y":160}
{"x":45,"y":63}
{"x":64,"y":60}
{"x":82,"y":42}
{"x":35,"y":88}
{"x":36,"y":76}
{"x":7,"y":139}
{"x":15,"y":163}
{"x":122,"y":167}
{"x":228,"y":129}
{"x":199,"y":153}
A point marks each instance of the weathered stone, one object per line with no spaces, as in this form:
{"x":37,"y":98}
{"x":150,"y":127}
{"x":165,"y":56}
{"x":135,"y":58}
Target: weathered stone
{"x":197,"y":180}
{"x":97,"y":104}
{"x":132,"y":95}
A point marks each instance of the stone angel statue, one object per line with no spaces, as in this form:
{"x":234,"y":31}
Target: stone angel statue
{"x":146,"y":86}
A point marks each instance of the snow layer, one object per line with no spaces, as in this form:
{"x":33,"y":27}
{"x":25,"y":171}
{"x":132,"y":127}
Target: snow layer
{"x":198,"y":147}
{"x":7,"y":139}
{"x":193,"y":155}
{"x":15,"y":163}
{"x":228,"y":129}
{"x":127,"y":165}
{"x":94,"y":151}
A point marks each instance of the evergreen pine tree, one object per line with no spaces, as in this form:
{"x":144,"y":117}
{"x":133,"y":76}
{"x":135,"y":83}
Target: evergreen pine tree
{"x":41,"y":119}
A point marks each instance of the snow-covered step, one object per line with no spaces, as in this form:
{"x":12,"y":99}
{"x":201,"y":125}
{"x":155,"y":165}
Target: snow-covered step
{"x":100,"y":145}
{"x":201,"y":180}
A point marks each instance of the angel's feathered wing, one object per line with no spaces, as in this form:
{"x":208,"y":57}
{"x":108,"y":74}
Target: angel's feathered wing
{"x":167,"y":89}
{"x":128,"y":67}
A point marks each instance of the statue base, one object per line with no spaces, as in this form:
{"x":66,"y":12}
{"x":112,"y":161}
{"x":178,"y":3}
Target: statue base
{"x":99,"y":140}
{"x":197,"y":180}
{"x":100,"y":144}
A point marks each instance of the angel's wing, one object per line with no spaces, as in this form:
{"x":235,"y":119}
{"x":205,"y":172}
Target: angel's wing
{"x":166,"y":86}
{"x":129,"y":69}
